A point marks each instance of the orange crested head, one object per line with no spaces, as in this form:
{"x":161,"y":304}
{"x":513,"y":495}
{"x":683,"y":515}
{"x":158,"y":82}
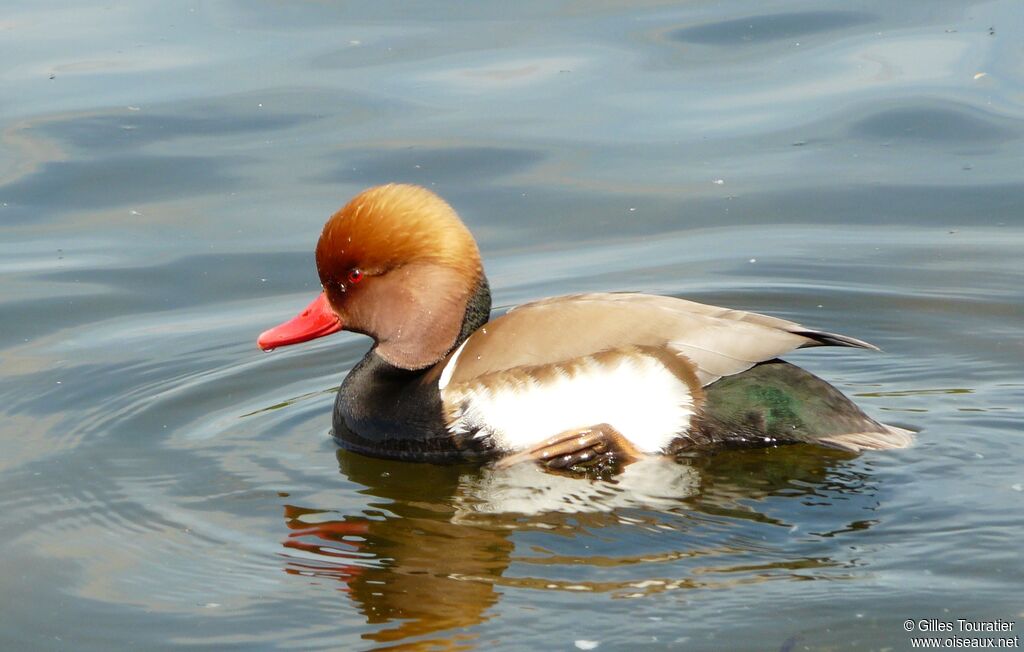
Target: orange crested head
{"x":387,"y":227}
{"x":397,"y":264}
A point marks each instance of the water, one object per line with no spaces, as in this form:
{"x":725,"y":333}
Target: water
{"x":164,"y":175}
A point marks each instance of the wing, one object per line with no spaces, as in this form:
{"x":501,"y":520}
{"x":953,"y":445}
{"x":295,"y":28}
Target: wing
{"x":717,"y":341}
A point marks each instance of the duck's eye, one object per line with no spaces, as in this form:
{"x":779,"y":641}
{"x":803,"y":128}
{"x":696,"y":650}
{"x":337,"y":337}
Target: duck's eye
{"x":355,"y":275}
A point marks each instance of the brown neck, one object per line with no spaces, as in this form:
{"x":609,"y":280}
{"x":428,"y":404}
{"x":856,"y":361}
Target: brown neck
{"x":429,"y":318}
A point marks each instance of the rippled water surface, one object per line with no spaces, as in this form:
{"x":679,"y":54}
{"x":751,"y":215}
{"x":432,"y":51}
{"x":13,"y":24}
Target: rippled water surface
{"x":165,"y":172}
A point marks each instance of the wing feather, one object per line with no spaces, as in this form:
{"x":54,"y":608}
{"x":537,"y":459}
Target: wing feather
{"x":717,"y":341}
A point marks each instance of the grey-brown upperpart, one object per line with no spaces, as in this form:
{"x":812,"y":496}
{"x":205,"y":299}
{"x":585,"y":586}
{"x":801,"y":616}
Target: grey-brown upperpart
{"x":749,"y":396}
{"x":717,"y":341}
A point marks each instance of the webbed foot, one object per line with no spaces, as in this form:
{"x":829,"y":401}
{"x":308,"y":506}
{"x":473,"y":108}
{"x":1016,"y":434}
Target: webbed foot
{"x":598,"y":447}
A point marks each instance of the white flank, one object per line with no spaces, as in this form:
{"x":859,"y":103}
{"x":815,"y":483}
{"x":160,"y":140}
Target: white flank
{"x":632,"y":392}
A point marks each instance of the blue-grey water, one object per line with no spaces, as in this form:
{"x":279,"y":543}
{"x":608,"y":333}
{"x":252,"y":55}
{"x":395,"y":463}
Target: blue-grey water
{"x":165,"y":170}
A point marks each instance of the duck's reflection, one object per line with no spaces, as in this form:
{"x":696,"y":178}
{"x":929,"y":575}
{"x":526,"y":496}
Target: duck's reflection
{"x":402,"y":563}
{"x":430,"y":552}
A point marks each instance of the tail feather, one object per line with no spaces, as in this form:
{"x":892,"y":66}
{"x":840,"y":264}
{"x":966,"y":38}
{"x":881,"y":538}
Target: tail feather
{"x":856,"y":442}
{"x":822,"y":338}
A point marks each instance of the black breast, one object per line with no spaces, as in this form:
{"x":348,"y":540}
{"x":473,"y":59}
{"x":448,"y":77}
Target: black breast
{"x":384,"y":411}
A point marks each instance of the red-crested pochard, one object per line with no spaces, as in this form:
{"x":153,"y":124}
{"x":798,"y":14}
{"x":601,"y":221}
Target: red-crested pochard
{"x":566,"y":381}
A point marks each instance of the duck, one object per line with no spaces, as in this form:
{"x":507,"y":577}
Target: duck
{"x":566,"y":382}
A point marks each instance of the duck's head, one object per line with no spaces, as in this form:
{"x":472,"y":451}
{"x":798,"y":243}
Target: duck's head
{"x":397,"y":264}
